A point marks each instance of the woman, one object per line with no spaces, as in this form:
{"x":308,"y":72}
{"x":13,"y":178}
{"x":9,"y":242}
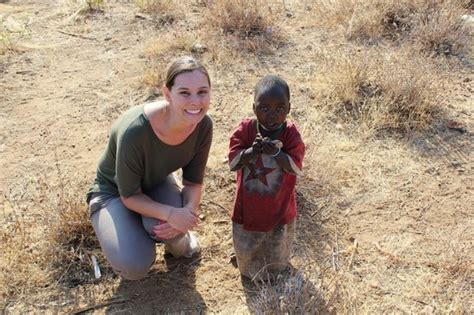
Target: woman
{"x":136,"y":200}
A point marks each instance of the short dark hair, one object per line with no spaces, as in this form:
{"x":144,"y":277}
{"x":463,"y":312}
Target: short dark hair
{"x":269,"y":82}
{"x":184,"y":64}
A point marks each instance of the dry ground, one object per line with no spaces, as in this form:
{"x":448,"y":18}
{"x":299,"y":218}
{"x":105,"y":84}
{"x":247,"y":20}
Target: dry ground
{"x":386,"y":217}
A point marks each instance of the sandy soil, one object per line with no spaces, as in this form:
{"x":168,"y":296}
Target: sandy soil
{"x":413,"y":220}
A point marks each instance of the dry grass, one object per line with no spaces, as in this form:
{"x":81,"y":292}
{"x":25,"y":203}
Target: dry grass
{"x":12,"y":32}
{"x":290,"y":293}
{"x":440,"y":30}
{"x":249,"y":25}
{"x":379,"y":90}
{"x":162,"y":12}
{"x":436,"y":26}
{"x":246,"y":18}
{"x":408,"y":211}
{"x":49,"y":247}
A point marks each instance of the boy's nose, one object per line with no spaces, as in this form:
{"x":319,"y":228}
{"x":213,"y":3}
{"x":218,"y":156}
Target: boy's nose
{"x":272,"y":114}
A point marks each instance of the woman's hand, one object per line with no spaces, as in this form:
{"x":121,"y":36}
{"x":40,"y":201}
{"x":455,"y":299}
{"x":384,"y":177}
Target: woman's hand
{"x":165,"y":231}
{"x":182,"y":219}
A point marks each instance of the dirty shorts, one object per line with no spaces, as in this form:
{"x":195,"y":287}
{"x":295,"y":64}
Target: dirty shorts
{"x":262,"y":253}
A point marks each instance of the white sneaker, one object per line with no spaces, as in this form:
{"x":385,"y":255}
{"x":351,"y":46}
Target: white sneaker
{"x":194,"y":246}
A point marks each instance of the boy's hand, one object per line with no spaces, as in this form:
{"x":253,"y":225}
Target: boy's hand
{"x":257,"y":147}
{"x":268,"y":146}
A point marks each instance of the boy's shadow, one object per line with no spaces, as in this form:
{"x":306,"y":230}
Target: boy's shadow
{"x":289,"y":293}
{"x":169,"y":288}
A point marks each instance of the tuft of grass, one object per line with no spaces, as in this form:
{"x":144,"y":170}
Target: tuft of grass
{"x":11,"y":32}
{"x":21,"y":266}
{"x":161,"y":11}
{"x":441,"y":31}
{"x":366,"y":21}
{"x":58,"y":253}
{"x":245,"y":18}
{"x":94,"y":5}
{"x":290,"y":293}
{"x":436,"y":25}
{"x":248,"y":26}
{"x":377,"y":91}
{"x":154,"y":6}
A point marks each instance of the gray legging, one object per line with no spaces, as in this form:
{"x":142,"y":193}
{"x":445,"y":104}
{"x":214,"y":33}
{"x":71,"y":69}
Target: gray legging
{"x":126,"y":237}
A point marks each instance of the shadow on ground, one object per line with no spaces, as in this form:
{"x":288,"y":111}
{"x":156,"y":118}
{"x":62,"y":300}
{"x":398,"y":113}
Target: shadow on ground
{"x":171,"y":290}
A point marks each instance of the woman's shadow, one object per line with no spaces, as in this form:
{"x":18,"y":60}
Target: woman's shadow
{"x":168,"y":288}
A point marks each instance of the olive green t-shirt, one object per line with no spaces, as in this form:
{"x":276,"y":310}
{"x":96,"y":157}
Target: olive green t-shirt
{"x":136,"y":158}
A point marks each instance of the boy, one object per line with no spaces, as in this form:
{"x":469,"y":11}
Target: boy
{"x":267,"y":153}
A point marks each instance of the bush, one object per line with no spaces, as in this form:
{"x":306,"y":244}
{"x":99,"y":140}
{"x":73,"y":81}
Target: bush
{"x":245,"y":18}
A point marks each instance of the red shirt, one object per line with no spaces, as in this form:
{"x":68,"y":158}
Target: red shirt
{"x":265,"y":193}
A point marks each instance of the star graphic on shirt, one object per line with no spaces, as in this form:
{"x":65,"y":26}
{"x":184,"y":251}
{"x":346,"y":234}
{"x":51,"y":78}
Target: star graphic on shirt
{"x":259,"y":171}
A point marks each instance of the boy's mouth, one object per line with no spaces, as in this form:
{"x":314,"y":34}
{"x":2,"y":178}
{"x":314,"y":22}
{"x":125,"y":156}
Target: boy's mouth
{"x":272,"y":126}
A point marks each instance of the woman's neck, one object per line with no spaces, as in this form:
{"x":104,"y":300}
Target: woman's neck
{"x":166,"y":127}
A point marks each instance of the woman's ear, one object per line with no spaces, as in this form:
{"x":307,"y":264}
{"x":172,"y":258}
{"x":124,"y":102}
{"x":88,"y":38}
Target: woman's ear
{"x":166,"y":93}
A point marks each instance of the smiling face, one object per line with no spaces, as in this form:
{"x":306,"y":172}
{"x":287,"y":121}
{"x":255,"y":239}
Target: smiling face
{"x":189,"y":97}
{"x":271,"y":107}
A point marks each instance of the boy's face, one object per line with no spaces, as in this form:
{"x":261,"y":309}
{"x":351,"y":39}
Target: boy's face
{"x":271,"y":108}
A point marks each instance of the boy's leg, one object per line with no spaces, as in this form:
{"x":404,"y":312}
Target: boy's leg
{"x":169,"y":193}
{"x":247,"y":245}
{"x":124,"y":241}
{"x":261,"y":252}
{"x":278,"y":247}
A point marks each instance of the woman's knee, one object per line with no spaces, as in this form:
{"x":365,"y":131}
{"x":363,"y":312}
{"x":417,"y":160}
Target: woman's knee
{"x":132,"y":267}
{"x":168,"y":192}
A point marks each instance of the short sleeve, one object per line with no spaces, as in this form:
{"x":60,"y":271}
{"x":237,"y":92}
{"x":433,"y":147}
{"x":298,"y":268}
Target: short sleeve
{"x":194,"y":170}
{"x":239,"y":141}
{"x":129,"y":167}
{"x":295,"y":149}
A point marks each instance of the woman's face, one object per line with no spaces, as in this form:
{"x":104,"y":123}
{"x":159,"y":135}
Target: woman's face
{"x":190,"y":96}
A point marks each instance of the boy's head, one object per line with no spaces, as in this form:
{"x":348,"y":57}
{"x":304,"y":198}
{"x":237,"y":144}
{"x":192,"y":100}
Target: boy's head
{"x":271,"y":102}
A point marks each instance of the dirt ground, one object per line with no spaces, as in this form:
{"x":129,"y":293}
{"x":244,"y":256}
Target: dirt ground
{"x":408,"y":203}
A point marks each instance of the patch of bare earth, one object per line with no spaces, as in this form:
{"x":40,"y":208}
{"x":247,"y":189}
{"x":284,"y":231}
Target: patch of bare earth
{"x":385,"y":221}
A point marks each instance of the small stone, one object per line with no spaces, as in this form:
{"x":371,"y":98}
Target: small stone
{"x":198,"y":48}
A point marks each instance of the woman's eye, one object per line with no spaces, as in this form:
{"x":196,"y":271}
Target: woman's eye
{"x":202,"y":93}
{"x":184,"y":93}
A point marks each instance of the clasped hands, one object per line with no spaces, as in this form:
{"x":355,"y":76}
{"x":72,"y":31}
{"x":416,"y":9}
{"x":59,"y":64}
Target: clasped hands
{"x":264,"y":146}
{"x":179,"y":221}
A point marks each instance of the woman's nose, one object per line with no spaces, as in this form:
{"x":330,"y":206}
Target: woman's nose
{"x":194,"y":99}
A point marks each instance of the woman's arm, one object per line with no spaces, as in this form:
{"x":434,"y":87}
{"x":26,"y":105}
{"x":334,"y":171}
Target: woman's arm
{"x":191,"y":198}
{"x":191,"y":195}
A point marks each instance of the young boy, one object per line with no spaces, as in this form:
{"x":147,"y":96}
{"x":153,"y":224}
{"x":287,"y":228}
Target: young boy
{"x":267,"y":153}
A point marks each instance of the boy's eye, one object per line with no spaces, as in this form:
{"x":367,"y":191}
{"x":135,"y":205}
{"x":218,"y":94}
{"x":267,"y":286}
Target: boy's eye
{"x":263,"y":108}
